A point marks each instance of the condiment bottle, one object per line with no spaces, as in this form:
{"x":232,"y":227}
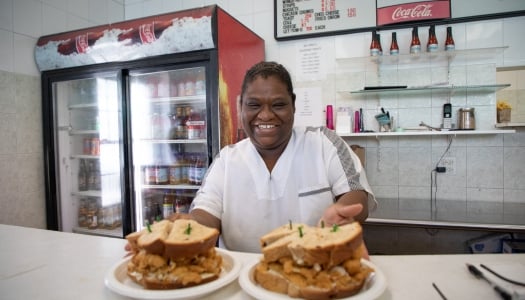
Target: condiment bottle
{"x":394,"y":48}
{"x":415,"y":44}
{"x":449,"y":42}
{"x":374,"y":45}
{"x":432,"y":44}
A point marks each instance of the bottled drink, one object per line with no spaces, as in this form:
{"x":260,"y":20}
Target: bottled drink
{"x":82,"y":176}
{"x":379,"y":43}
{"x":449,"y":42}
{"x":177,"y":124}
{"x":374,"y":45}
{"x":145,"y":33}
{"x":394,"y":48}
{"x":79,"y":44}
{"x":415,"y":44}
{"x":195,"y":125}
{"x":167,"y":206}
{"x":432,"y":44}
{"x":200,"y":83}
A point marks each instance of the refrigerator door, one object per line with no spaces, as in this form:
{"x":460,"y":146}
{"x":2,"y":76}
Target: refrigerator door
{"x":88,"y":142}
{"x":169,"y":119}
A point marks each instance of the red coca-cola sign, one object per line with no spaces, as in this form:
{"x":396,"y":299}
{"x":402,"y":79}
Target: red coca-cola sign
{"x":415,"y":11}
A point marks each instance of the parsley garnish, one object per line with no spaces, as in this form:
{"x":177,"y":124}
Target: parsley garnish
{"x":187,"y":231}
{"x":335,"y":227}
{"x":148,"y":226}
{"x":301,"y":231}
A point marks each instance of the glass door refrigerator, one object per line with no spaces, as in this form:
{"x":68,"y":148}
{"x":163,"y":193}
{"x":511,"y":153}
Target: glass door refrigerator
{"x":88,"y":148}
{"x":169,"y":113}
{"x":134,"y":112}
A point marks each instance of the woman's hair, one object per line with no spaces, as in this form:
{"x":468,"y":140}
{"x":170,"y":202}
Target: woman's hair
{"x":266,"y":69}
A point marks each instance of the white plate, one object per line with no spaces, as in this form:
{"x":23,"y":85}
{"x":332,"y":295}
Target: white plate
{"x":248,"y":284}
{"x":118,"y":281}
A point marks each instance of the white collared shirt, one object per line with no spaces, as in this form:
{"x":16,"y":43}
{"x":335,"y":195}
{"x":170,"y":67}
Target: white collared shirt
{"x":251,"y":201}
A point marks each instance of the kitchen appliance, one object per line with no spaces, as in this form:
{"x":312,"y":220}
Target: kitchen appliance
{"x":466,"y":119}
{"x":134,"y":112}
{"x":447,"y":116}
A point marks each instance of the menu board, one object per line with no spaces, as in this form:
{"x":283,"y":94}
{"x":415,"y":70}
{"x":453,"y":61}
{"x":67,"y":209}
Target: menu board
{"x":300,"y":18}
{"x":296,"y":19}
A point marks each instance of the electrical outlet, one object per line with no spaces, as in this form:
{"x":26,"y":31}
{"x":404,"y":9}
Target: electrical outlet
{"x":450,"y":164}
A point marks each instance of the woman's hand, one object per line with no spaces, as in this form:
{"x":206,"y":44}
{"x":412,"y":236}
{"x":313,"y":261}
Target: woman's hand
{"x":341,"y":214}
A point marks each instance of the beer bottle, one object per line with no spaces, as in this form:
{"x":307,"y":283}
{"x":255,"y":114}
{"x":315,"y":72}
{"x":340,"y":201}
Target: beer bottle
{"x":167,"y":206}
{"x":374,"y":45}
{"x":432,"y":44}
{"x":449,"y":42}
{"x":415,"y":44}
{"x":394,"y":48}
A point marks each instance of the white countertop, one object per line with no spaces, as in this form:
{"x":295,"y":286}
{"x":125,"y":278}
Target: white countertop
{"x":42,"y":264}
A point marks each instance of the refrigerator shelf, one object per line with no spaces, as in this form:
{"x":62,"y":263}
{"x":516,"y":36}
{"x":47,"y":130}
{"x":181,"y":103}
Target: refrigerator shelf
{"x":84,"y":156}
{"x":84,"y":106}
{"x":82,"y":132}
{"x":179,"y":100}
{"x":117,"y":232}
{"x":172,"y":186}
{"x":96,"y":194}
{"x":196,"y":141}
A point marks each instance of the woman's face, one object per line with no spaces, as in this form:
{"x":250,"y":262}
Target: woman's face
{"x":267,"y":113}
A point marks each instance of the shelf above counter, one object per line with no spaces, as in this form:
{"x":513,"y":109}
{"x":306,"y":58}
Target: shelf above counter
{"x":510,"y":124}
{"x":449,"y":89}
{"x":427,"y":133}
{"x":458,"y":56}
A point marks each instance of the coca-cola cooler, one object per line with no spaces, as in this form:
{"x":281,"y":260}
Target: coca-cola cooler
{"x":134,"y":113}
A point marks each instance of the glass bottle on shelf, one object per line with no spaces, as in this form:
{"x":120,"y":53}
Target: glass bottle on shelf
{"x":167,"y":205}
{"x":177,"y":124}
{"x":449,"y":42}
{"x":374,"y":45}
{"x":432,"y":44}
{"x":394,"y":48}
{"x":415,"y":44}
{"x":82,"y":176}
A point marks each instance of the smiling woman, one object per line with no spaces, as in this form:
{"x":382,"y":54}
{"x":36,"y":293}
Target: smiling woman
{"x":280,"y":173}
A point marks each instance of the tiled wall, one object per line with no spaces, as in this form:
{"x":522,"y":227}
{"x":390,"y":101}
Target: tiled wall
{"x":22,"y":22}
{"x":402,"y":183}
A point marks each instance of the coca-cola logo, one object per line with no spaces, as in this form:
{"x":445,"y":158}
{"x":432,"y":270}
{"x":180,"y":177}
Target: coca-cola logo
{"x":81,"y":43}
{"x":418,"y":11}
{"x":147,"y":35}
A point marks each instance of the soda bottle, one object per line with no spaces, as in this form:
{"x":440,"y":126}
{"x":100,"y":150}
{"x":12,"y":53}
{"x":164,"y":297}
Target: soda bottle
{"x":432,"y":44}
{"x":145,"y":33}
{"x":394,"y":48}
{"x":449,"y":42}
{"x":79,"y":44}
{"x":415,"y":44}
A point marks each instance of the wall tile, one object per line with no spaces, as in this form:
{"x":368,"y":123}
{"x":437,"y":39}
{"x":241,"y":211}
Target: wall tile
{"x":79,"y":8}
{"x":513,"y":172}
{"x":25,"y":48}
{"x":27,"y":18}
{"x":6,"y":15}
{"x":98,"y":12}
{"x":481,"y":159}
{"x":53,"y":19}
{"x":6,"y":51}
{"x":115,"y":12}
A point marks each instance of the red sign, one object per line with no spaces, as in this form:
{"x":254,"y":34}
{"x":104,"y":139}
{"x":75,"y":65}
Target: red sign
{"x":416,"y":11}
